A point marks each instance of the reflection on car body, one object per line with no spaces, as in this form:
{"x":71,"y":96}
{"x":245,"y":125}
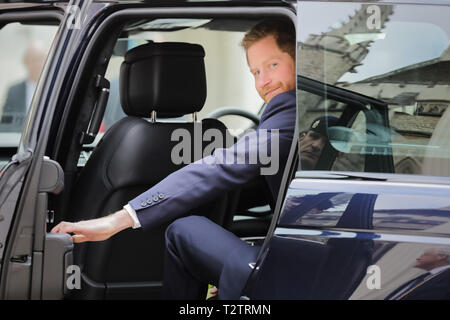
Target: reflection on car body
{"x":371,"y":219}
{"x":373,"y":210}
{"x":328,"y":263}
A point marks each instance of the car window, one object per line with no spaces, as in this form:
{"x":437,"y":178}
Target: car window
{"x":20,"y":65}
{"x":347,"y":159}
{"x":229,"y":82}
{"x":368,"y":50}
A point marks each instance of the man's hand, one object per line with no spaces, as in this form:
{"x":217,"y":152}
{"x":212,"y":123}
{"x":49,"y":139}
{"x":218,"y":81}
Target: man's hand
{"x":96,"y":229}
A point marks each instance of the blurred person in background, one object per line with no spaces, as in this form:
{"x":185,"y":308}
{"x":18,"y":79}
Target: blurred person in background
{"x":19,"y":95}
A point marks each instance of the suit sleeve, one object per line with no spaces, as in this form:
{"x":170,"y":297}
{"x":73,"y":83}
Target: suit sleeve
{"x":208,"y":178}
{"x":199,"y":182}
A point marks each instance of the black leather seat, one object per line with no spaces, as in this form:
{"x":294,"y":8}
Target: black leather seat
{"x":134,"y":155}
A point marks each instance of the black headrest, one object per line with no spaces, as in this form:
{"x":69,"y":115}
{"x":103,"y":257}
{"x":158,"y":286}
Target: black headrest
{"x":168,"y":78}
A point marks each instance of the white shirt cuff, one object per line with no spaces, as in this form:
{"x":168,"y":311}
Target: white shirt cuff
{"x":133,"y":216}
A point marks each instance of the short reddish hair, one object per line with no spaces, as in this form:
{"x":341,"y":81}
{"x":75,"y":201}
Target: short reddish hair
{"x":282,"y":30}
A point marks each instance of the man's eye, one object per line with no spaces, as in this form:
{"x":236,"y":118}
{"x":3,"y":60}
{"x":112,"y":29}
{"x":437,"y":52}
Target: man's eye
{"x":273,"y":65}
{"x":256,"y":73}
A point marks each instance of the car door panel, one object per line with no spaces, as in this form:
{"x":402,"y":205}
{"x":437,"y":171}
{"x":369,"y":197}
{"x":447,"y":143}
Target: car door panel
{"x":358,"y":233}
{"x":374,"y":213}
{"x":27,"y":180}
{"x":11,"y":181}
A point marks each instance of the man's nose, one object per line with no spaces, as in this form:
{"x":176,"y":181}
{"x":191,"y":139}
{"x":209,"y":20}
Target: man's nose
{"x":264,"y":79}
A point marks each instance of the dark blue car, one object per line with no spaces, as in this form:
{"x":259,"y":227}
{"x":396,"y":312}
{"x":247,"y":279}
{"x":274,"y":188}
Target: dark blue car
{"x":369,"y":218}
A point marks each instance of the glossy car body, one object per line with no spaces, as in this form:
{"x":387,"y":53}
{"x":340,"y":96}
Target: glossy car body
{"x":350,"y":229}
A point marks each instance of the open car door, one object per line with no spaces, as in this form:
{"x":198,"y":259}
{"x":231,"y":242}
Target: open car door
{"x":32,"y":261}
{"x":362,"y":222}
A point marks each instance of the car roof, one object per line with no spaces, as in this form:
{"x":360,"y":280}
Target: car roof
{"x":172,"y":3}
{"x":241,"y":2}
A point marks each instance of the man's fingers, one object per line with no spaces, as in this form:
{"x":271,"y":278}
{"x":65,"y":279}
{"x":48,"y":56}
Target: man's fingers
{"x":69,"y":227}
{"x":90,"y":230}
{"x":78,"y":238}
{"x":64,"y":227}
{"x":56,"y":228}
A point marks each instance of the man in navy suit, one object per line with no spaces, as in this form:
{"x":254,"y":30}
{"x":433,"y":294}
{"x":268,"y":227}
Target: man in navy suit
{"x":434,"y":284}
{"x":196,"y":243}
{"x":273,"y":67}
{"x":199,"y":252}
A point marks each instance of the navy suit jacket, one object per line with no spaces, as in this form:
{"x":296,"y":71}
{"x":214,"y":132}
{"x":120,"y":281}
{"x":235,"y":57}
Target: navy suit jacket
{"x":208,"y":178}
{"x":436,"y":287}
{"x":15,"y":109}
{"x":16,"y":98}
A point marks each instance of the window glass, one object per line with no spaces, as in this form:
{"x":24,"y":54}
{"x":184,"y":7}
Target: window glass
{"x":23,"y":51}
{"x":347,"y":160}
{"x":368,"y":51}
{"x":229,"y":82}
{"x":319,"y":144}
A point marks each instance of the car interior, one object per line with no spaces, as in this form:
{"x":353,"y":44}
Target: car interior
{"x":115,"y":140}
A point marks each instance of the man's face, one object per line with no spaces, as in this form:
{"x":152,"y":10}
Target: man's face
{"x":430,"y":260}
{"x":311,"y":145}
{"x":273,"y":69}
